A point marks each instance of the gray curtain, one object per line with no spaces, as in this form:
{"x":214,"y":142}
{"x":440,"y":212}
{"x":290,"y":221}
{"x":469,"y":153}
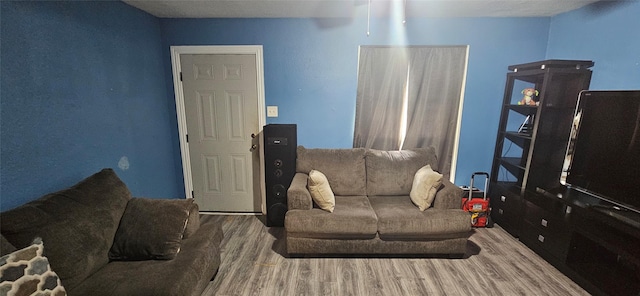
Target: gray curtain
{"x":379,"y":97}
{"x":436,"y":76}
{"x":435,"y":79}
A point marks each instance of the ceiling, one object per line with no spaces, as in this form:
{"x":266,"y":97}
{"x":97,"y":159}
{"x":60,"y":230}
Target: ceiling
{"x":354,"y":8}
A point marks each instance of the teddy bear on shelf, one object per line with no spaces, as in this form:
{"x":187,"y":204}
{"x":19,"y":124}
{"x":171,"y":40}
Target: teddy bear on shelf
{"x":528,"y":97}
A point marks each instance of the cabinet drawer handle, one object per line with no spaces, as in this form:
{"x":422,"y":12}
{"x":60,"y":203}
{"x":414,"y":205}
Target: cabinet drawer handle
{"x":503,"y":198}
{"x":543,"y":222}
{"x":541,"y":238}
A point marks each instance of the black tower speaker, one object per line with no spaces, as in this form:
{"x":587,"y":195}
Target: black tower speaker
{"x":280,"y":143}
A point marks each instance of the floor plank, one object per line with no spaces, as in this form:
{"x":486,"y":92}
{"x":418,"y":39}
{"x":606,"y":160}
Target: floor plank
{"x":254,"y":262}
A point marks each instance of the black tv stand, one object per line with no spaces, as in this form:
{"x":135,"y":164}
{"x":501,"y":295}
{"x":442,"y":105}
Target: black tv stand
{"x":626,"y":216}
{"x":592,"y":241}
{"x":602,"y":252}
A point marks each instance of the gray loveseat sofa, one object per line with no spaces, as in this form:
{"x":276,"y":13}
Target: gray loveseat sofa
{"x":373,"y":211}
{"x":101,"y":241}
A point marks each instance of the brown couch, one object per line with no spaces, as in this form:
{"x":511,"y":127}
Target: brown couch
{"x":101,"y":241}
{"x":373,"y":211}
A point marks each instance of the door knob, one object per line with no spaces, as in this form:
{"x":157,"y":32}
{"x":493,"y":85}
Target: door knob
{"x":253,"y":147}
{"x":253,"y":135}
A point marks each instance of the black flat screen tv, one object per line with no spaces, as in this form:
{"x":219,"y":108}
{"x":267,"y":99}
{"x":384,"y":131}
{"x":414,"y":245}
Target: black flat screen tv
{"x":603,"y":155}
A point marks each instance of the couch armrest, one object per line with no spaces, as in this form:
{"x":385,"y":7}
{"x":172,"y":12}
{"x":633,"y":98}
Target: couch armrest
{"x":5,"y":246}
{"x":449,"y":196}
{"x":298,"y":196}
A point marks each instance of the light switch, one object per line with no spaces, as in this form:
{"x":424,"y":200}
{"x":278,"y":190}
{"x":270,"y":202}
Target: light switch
{"x":272,"y":111}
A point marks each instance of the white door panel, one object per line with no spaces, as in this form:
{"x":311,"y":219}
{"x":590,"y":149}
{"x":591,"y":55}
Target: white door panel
{"x":221,"y":108}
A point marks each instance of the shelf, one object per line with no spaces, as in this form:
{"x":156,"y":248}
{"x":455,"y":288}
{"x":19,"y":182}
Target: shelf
{"x":512,"y":161}
{"x":546,"y":64}
{"x":518,"y":135}
{"x":533,"y":76}
{"x":512,"y":164}
{"x":537,"y":156}
{"x":523,"y":109}
{"x":518,"y":138}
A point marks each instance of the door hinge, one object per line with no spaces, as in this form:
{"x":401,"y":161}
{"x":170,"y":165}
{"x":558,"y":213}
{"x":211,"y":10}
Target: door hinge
{"x":180,"y":76}
{"x":193,"y":195}
{"x":187,"y":138}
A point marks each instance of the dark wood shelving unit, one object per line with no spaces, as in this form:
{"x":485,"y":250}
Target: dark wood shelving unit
{"x":518,"y":154}
{"x":572,"y":230}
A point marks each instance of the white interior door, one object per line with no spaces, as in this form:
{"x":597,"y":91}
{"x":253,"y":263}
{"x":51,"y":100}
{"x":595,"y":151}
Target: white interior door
{"x":220,"y":93}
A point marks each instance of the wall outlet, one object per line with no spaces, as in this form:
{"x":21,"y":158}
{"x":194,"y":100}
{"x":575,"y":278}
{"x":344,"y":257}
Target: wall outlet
{"x":272,"y":111}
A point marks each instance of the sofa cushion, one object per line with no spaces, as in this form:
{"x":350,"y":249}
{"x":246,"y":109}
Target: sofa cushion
{"x":392,"y":172}
{"x":321,"y":191}
{"x":352,"y":218}
{"x":151,"y":229}
{"x":187,"y":274}
{"x":78,"y":225}
{"x":344,"y":168}
{"x":27,"y":272}
{"x":426,"y":183}
{"x":398,"y":218}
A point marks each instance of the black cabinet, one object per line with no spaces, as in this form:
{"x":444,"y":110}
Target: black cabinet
{"x":505,"y":206}
{"x":545,"y":227}
{"x":596,"y":246}
{"x":603,"y":252}
{"x":532,"y":135}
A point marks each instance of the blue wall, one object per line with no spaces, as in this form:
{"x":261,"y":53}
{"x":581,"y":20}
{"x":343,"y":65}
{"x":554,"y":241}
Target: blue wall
{"x":86,"y":83}
{"x":311,"y":68}
{"x":82,"y":85}
{"x":607,"y":33}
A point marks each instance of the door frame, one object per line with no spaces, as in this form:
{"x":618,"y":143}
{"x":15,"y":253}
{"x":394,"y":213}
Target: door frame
{"x":176,"y":51}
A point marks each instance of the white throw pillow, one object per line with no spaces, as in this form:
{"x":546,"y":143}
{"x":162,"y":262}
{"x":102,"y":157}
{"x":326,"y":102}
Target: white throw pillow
{"x":320,"y":190}
{"x":425,"y":186}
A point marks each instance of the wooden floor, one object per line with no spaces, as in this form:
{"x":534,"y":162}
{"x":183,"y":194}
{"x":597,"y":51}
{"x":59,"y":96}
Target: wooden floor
{"x":254,"y":262}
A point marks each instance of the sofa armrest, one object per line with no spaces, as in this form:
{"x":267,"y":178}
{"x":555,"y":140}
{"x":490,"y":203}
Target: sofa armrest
{"x":5,"y":246}
{"x":449,"y":196}
{"x":298,"y":196}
